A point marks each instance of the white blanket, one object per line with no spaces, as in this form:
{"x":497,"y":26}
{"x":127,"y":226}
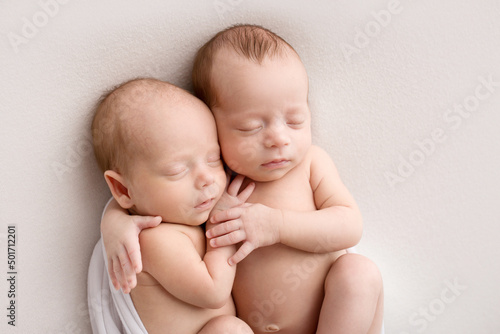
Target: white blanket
{"x":111,"y":311}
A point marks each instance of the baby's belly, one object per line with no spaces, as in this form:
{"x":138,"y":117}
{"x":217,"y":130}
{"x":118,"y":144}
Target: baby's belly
{"x":280,"y":289}
{"x":160,"y":312}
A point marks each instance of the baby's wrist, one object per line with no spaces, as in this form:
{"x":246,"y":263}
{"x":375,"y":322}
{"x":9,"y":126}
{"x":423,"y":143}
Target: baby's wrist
{"x":279,"y":225}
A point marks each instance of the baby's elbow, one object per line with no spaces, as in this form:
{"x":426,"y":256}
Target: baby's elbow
{"x":217,"y":304}
{"x":216,"y":301}
{"x":215,"y":298}
{"x":357,"y":231}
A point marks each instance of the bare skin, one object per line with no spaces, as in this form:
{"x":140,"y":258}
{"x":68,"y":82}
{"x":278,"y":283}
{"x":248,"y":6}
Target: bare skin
{"x":294,"y":274}
{"x":174,"y":172}
{"x":159,"y":309}
{"x":282,"y":289}
{"x":291,"y":298}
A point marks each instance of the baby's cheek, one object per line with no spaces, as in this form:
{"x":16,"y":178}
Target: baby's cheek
{"x":245,"y":153}
{"x":221,"y":184}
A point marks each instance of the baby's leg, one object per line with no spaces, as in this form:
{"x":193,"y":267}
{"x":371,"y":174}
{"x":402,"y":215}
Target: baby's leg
{"x":226,"y":324}
{"x":354,"y":297}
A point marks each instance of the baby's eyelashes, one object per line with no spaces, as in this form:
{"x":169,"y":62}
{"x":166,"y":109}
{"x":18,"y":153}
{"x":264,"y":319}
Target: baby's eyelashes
{"x":214,"y":161}
{"x":248,"y":126}
{"x":295,"y":121}
{"x":176,"y":172}
{"x":249,"y":129}
{"x":295,"y":125}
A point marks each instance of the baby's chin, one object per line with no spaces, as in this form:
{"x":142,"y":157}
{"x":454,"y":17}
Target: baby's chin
{"x":267,"y":176}
{"x":259,"y":173}
{"x":198,"y":219}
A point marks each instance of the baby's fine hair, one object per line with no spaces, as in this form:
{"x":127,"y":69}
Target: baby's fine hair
{"x":252,"y":42}
{"x":113,"y":118}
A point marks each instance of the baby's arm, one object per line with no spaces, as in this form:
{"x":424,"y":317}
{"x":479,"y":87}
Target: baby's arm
{"x":171,"y":257}
{"x":335,"y":225}
{"x":337,"y":222}
{"x":120,"y":234}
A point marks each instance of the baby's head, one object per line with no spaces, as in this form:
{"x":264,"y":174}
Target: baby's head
{"x":157,"y":146}
{"x":256,"y":86}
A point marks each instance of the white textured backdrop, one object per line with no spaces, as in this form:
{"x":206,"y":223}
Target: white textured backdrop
{"x":405,"y":97}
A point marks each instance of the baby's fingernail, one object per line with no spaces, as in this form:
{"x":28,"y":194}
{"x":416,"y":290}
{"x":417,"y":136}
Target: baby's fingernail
{"x":212,"y":243}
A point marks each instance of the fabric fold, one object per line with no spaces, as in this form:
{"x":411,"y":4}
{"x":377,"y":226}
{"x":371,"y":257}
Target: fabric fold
{"x":111,"y":311}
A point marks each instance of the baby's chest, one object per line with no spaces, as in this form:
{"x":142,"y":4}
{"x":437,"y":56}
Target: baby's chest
{"x":197,"y":236}
{"x":292,"y":192}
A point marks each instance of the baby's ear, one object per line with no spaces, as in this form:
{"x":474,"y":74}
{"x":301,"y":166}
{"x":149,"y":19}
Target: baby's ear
{"x":119,"y":190}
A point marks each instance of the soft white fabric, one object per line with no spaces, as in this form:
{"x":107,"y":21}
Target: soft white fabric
{"x":111,"y":311}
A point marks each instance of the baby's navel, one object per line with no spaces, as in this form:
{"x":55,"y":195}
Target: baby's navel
{"x":272,"y":328}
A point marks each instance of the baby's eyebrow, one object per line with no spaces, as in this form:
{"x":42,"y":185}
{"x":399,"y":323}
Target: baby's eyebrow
{"x":171,"y":162}
{"x":296,"y":113}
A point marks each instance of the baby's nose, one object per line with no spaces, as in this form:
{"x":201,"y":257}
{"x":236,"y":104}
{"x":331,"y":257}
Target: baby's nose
{"x":204,"y":177}
{"x":277,"y":136}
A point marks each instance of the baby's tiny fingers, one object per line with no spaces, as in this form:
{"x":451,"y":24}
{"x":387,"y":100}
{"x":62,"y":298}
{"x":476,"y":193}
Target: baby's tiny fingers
{"x":130,"y":276}
{"x":224,"y":228}
{"x":126,"y":264}
{"x":235,"y":185}
{"x":112,"y":275}
{"x":135,"y":258}
{"x":241,"y":253}
{"x":228,"y":239}
{"x":226,"y":215}
{"x":245,"y":194}
{"x":118,"y":271}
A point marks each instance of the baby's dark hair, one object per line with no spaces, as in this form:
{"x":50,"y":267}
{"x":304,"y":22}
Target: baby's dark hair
{"x":252,"y":42}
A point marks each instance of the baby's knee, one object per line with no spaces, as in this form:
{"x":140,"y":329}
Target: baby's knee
{"x":355,"y":273}
{"x":226,"y":324}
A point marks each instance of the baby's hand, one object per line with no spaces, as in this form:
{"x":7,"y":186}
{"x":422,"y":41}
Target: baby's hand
{"x":255,"y":224}
{"x":230,"y":198}
{"x":121,"y":242}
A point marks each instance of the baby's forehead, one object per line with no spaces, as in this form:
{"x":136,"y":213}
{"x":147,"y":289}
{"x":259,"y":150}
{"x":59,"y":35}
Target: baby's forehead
{"x":226,"y":61}
{"x":142,"y":100}
{"x":137,"y":93}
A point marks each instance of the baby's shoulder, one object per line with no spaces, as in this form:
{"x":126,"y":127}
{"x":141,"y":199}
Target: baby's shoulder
{"x":316,"y":151}
{"x":317,"y":155}
{"x":170,"y":235}
{"x":321,"y":164}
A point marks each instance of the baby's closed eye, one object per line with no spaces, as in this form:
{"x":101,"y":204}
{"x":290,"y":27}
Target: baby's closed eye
{"x":214,"y":161}
{"x":249,"y":127}
{"x":175,"y":172}
{"x":295,"y":121}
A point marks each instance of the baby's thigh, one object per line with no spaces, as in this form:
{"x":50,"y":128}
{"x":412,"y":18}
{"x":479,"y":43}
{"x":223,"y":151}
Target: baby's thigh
{"x":354,"y":272}
{"x":226,"y":324}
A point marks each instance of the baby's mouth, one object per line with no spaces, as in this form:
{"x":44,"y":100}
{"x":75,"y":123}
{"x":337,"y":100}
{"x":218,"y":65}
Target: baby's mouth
{"x":277,"y":163}
{"x":205,"y":205}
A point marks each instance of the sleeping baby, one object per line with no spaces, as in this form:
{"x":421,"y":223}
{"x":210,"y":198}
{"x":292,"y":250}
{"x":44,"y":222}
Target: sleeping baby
{"x":157,"y":146}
